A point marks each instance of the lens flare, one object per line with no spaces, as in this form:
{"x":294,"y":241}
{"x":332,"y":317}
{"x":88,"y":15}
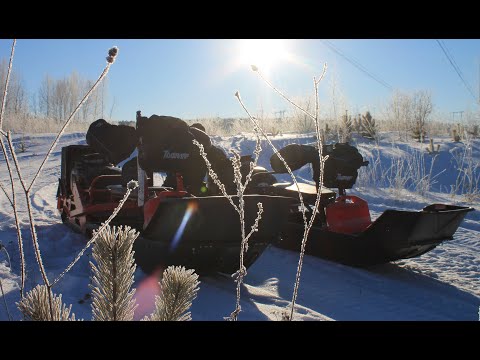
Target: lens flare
{"x":145,"y":294}
{"x":191,"y":209}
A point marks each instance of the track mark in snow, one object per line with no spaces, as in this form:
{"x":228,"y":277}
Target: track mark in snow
{"x":45,"y":205}
{"x":387,"y":292}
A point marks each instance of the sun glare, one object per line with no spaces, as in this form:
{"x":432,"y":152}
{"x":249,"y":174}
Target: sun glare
{"x":263,"y":53}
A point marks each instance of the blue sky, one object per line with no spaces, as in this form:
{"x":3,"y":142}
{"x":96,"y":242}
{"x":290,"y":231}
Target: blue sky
{"x":192,"y":78}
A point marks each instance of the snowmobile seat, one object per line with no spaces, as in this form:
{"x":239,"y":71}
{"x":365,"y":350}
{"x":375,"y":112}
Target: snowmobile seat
{"x":309,"y":192}
{"x":101,"y":182}
{"x":91,"y":165}
{"x":118,"y":191}
{"x":98,"y":191}
{"x":113,"y":170}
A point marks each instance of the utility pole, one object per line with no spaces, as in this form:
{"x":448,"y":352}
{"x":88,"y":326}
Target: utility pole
{"x":457,"y":112}
{"x":281,"y":113}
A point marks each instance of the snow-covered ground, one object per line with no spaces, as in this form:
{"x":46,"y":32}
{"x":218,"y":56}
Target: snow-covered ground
{"x":443,"y":284}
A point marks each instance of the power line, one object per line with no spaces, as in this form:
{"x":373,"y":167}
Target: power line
{"x":455,"y":67}
{"x":356,"y":64}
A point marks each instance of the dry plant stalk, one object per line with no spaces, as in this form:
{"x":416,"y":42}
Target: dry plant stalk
{"x":314,"y":117}
{"x":40,"y":303}
{"x":7,"y":80}
{"x":12,"y":199}
{"x":5,"y":301}
{"x":242,"y":271}
{"x":27,"y":190}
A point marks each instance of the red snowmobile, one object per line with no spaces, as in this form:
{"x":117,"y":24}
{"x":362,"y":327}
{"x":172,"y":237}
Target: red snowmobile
{"x":186,"y":221}
{"x":181,"y":222}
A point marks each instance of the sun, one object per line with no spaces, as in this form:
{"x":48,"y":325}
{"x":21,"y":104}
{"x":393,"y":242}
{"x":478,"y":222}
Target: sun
{"x":263,"y":53}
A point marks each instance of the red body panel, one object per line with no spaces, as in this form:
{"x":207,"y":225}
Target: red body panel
{"x":151,"y":205}
{"x":85,"y":203}
{"x":348,"y":214}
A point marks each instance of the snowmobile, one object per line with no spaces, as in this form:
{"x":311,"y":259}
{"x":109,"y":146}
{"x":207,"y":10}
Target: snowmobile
{"x":186,"y":220}
{"x":343,"y":231}
{"x":180,"y":221}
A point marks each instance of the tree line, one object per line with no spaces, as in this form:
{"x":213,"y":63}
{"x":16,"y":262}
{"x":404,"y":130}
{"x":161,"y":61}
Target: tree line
{"x":54,"y":99}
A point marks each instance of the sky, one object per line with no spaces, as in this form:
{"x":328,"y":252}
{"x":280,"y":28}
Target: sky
{"x":196,"y":78}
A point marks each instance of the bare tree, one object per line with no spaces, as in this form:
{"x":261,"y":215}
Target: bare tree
{"x":34,"y":104}
{"x":45,"y":96}
{"x":74,"y":92}
{"x":61,"y":99}
{"x":17,"y":101}
{"x":422,"y":107}
{"x":57,"y":98}
{"x":87,"y":108}
{"x":409,"y":113}
{"x":399,"y":112}
{"x":302,"y":122}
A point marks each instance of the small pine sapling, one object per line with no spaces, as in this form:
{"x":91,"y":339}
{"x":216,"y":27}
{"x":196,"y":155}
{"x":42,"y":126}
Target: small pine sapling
{"x":35,"y":306}
{"x":455,"y":135}
{"x":179,"y":287}
{"x":431,"y":148}
{"x":113,"y":276}
{"x":368,"y":127}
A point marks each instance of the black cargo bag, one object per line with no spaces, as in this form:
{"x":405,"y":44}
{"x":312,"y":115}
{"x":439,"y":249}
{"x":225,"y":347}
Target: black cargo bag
{"x":166,"y":145}
{"x":115,"y":142}
{"x":295,"y":156}
{"x":341,"y":167}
